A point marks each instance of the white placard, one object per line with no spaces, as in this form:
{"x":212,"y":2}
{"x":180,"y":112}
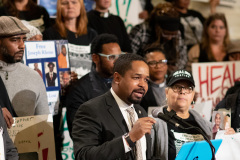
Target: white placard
{"x":44,"y":49}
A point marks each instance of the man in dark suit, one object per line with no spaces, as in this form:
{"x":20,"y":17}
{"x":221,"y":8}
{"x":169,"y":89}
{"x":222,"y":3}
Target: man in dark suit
{"x":51,"y":76}
{"x":103,"y":128}
{"x":105,"y":50}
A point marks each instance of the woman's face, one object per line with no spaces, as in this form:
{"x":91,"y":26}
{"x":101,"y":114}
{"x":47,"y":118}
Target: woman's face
{"x":179,"y":101}
{"x":158,"y":70}
{"x":216,"y":31}
{"x":70,"y":9}
{"x":218,"y":119}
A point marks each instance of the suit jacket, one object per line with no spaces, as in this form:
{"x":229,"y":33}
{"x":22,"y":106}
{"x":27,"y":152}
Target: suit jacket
{"x":51,"y":82}
{"x":98,"y":128}
{"x":10,"y":150}
{"x":87,"y":87}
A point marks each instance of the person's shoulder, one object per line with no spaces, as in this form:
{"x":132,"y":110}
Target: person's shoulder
{"x":90,"y":13}
{"x":194,"y":12}
{"x":98,"y":102}
{"x":92,"y":32}
{"x":83,"y":80}
{"x":30,"y":72}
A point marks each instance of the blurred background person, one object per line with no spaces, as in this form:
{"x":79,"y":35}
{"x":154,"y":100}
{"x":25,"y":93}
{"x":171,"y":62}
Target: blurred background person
{"x":34,"y":34}
{"x":71,"y":24}
{"x":191,"y":20}
{"x":147,"y":9}
{"x":101,"y":20}
{"x":233,"y":51}
{"x":157,"y":63}
{"x":161,"y":28}
{"x":215,"y":40}
{"x":26,"y":10}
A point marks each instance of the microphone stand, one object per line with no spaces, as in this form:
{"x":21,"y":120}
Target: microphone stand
{"x":172,"y":114}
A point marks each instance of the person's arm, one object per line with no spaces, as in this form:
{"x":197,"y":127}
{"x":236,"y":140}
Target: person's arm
{"x":11,"y":150}
{"x":213,"y":5}
{"x":8,"y":117}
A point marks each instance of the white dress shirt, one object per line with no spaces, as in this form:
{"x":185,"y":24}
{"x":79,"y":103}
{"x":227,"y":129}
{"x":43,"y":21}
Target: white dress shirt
{"x":123,"y":107}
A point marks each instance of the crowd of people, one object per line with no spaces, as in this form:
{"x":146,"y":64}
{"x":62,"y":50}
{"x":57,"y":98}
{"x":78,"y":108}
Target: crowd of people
{"x":107,"y":108}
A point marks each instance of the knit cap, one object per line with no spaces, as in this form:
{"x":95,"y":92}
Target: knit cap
{"x":33,"y":30}
{"x":10,"y":26}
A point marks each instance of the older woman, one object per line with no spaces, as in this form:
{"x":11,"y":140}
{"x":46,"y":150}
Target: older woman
{"x":215,"y":40}
{"x":168,"y":139}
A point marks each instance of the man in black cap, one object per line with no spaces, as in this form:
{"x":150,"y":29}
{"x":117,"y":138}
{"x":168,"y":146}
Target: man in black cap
{"x":163,"y":28}
{"x":25,"y":87}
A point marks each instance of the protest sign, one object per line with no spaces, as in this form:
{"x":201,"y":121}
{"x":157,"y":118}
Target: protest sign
{"x":212,"y":80}
{"x":34,"y":134}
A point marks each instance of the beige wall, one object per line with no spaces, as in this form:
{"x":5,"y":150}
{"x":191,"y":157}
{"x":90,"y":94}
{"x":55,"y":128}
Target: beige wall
{"x":232,"y":15}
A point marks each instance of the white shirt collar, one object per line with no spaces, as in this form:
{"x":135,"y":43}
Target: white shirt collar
{"x":120,"y":102}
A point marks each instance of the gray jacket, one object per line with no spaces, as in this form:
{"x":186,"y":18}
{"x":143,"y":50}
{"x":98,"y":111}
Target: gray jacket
{"x":159,"y":135}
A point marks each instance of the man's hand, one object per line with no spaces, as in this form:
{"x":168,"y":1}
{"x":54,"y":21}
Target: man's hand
{"x":8,"y":117}
{"x":74,"y":76}
{"x":141,"y":127}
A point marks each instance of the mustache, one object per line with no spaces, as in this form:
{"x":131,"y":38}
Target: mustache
{"x":141,"y":90}
{"x":21,"y":52}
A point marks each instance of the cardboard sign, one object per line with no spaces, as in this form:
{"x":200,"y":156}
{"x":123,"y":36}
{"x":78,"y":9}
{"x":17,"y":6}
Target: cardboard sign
{"x":212,"y":80}
{"x":34,"y":134}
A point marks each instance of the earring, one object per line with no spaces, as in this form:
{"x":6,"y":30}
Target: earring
{"x":193,"y":102}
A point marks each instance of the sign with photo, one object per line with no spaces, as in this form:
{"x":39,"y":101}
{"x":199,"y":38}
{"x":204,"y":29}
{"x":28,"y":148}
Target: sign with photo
{"x":50,"y":60}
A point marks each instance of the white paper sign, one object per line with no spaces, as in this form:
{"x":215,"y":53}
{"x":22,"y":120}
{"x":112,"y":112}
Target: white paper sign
{"x":230,"y":147}
{"x":212,"y":80}
{"x":204,"y":109}
{"x":36,"y":50}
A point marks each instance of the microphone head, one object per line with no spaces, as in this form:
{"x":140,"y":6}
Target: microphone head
{"x":155,"y":112}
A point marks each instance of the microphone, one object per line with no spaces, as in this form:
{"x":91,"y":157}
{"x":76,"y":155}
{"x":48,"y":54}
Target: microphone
{"x":156,"y":113}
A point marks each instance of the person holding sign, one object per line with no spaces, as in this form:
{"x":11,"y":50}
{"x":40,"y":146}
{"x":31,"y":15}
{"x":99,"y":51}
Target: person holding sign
{"x":25,"y":87}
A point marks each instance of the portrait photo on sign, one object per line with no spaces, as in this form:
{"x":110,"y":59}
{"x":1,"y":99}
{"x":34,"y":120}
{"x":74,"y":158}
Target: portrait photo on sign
{"x":65,"y":77}
{"x":51,"y":74}
{"x":221,"y":120}
{"x":62,"y":52}
{"x":36,"y":67}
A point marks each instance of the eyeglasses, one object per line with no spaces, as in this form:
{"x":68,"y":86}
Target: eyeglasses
{"x":162,"y":62}
{"x":178,"y":89}
{"x":111,"y":57}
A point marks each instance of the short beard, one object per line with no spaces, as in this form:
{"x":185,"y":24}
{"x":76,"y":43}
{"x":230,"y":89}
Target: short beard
{"x":135,"y":101}
{"x":6,"y":57}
